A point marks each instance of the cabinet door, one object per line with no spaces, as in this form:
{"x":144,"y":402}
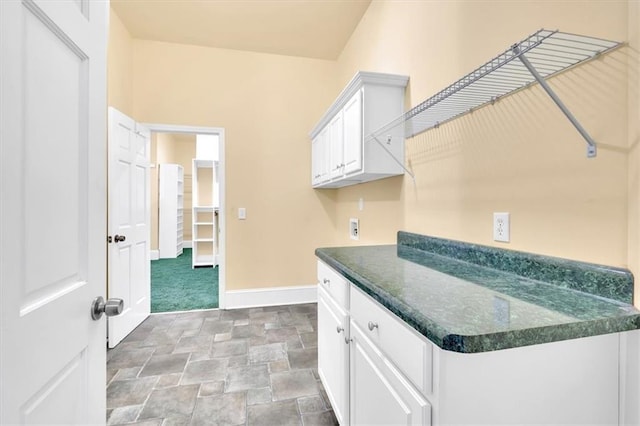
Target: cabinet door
{"x":204,"y":234}
{"x":353,"y":134}
{"x":316,"y":159}
{"x":325,"y":166}
{"x":336,"y":138}
{"x":320,"y":159}
{"x":333,"y":354}
{"x":380,"y":395}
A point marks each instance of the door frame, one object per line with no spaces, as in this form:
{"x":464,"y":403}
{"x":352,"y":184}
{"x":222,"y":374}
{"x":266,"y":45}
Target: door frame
{"x":222,"y":229}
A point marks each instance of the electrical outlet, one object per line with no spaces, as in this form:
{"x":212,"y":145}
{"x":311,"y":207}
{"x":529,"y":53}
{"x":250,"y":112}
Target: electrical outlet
{"x":354,"y":229}
{"x":501,"y":227}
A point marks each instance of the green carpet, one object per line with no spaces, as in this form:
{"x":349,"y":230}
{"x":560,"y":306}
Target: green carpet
{"x":175,"y":286}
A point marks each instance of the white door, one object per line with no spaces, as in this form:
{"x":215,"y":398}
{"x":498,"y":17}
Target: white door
{"x":52,"y":211}
{"x":129,"y":223}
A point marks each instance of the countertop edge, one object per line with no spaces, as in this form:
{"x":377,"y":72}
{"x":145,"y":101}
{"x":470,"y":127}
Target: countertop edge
{"x":600,"y":280}
{"x":487,"y":342}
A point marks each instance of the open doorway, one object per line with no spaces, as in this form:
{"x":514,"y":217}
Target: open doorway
{"x":187,"y":237}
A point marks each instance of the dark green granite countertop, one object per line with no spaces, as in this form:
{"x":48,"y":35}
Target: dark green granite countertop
{"x":468,"y":307}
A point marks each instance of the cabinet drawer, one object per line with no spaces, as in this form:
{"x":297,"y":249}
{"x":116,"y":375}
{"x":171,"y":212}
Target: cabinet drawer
{"x":411,"y":353}
{"x":334,"y":284}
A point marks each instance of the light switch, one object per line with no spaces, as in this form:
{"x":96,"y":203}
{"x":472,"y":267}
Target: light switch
{"x":242,"y":213}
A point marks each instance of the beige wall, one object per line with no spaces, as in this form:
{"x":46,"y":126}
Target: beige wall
{"x":171,"y":148}
{"x":119,"y":66}
{"x":521,"y":155}
{"x":267,"y":104}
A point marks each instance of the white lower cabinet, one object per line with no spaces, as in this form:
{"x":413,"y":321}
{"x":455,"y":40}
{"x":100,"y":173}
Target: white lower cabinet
{"x":570,"y":382}
{"x":333,"y":354}
{"x":379,"y":393}
{"x":365,"y":377}
{"x":401,"y":345}
{"x":389,"y":374}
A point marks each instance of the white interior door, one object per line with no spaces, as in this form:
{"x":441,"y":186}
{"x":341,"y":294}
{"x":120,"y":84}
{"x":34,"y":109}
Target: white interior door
{"x":53,"y":211}
{"x":129,"y":223}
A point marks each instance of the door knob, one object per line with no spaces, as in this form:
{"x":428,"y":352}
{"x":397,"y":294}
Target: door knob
{"x":119,"y":238}
{"x":110,"y":308}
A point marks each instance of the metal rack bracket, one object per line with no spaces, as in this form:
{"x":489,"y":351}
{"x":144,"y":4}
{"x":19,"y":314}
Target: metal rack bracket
{"x":394,"y":158}
{"x":547,"y":54}
{"x":591,"y":145}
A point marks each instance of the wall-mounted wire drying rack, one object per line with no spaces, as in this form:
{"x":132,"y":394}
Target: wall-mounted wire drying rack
{"x":547,"y":54}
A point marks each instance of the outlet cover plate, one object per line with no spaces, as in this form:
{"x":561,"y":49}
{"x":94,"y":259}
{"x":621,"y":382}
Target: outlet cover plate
{"x":501,"y":231}
{"x":354,"y":228}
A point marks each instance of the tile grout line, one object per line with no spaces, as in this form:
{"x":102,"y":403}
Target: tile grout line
{"x":144,"y":404}
{"x":303,"y":321}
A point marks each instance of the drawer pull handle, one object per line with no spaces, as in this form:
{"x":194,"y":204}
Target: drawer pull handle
{"x":339,"y":329}
{"x":372,"y":325}
{"x":347,"y":341}
{"x":326,"y":281}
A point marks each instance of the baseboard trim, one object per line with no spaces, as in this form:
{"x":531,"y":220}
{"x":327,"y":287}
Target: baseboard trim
{"x":253,"y":298}
{"x":187,"y":244}
{"x":154,"y":254}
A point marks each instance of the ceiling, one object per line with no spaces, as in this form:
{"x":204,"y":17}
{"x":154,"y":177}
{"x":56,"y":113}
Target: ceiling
{"x":309,"y":28}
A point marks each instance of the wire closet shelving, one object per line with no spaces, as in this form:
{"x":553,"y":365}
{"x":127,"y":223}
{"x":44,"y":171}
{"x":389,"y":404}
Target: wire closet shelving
{"x":534,"y":59}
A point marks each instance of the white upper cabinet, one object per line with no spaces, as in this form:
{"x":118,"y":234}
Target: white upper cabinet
{"x":320,"y":158}
{"x":352,"y":136}
{"x":340,"y":154}
{"x":336,"y":142}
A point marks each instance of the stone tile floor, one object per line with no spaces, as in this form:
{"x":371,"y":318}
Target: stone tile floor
{"x":243,"y":367}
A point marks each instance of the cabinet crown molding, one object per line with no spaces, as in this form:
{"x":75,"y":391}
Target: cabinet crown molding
{"x":360,"y":79}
